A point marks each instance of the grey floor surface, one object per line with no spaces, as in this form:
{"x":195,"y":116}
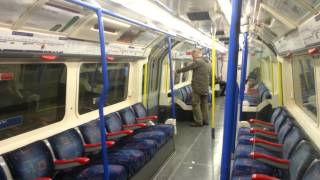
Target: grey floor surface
{"x":197,"y":155}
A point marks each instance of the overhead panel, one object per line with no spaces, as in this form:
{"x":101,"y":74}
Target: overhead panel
{"x":289,"y":8}
{"x":11,"y":10}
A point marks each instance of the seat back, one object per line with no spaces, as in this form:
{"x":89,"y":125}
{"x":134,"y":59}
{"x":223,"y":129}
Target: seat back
{"x":313,"y":172}
{"x":184,"y":94}
{"x":30,"y":162}
{"x":113,"y":122}
{"x":284,"y":130}
{"x":178,"y":94}
{"x":139,"y":110}
{"x":128,"y":116}
{"x":276,"y":114}
{"x":265,"y":95}
{"x":301,"y":158}
{"x":189,"y":90}
{"x":291,"y":141}
{"x":279,"y":121}
{"x":67,"y":145}
{"x":91,"y":132}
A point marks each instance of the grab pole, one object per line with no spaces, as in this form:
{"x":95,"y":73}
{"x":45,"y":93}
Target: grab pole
{"x":243,"y":72}
{"x":173,"y":110}
{"x":213,"y":63}
{"x":103,"y":95}
{"x":231,"y":89}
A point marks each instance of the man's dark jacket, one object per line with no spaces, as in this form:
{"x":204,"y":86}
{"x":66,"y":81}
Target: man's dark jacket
{"x":200,"y":76}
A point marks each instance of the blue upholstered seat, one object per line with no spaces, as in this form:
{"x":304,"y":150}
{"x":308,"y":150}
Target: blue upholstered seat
{"x":243,"y":151}
{"x":116,"y":172}
{"x":241,"y":178}
{"x":141,"y":112}
{"x":68,"y":145}
{"x":128,"y":117}
{"x":30,"y":162}
{"x":313,"y":172}
{"x":148,"y":146}
{"x":246,"y":166}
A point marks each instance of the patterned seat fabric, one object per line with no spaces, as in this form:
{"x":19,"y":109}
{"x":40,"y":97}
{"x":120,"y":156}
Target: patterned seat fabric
{"x":241,"y":178}
{"x":243,"y":151}
{"x":140,"y":112}
{"x":116,"y":172}
{"x":313,"y":172}
{"x":147,"y":146}
{"x":128,"y":117}
{"x":30,"y":162}
{"x":246,"y":166}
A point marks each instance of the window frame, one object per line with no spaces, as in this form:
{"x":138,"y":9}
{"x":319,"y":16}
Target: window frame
{"x":78,"y":89}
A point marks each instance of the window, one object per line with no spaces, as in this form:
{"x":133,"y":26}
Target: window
{"x":177,"y":75}
{"x":185,"y":75}
{"x":304,"y":84}
{"x":32,"y":96}
{"x":90,"y":85}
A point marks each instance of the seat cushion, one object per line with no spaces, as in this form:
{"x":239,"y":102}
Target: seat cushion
{"x":243,"y":131}
{"x":243,"y":151}
{"x":131,"y":159}
{"x":245,"y":139}
{"x":147,"y":146}
{"x":116,"y":172}
{"x":246,"y":166}
{"x":168,"y":129}
{"x":158,"y":136}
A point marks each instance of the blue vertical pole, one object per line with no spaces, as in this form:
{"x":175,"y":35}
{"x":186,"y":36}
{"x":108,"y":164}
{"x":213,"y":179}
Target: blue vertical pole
{"x":173,"y":111}
{"x":103,"y":94}
{"x":231,"y":89}
{"x":243,"y":72}
{"x":234,"y":128}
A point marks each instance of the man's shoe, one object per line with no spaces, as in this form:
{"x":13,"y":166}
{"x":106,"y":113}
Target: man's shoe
{"x":193,"y":124}
{"x":206,"y":124}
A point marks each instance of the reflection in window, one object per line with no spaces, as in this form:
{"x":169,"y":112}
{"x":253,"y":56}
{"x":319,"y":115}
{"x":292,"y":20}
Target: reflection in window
{"x":185,"y":75}
{"x":304,"y":84}
{"x":177,"y":75}
{"x":32,"y":96}
{"x":90,"y":85}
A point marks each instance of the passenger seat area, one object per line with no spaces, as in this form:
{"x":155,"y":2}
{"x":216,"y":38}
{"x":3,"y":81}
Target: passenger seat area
{"x":136,"y":150}
{"x":274,"y":150}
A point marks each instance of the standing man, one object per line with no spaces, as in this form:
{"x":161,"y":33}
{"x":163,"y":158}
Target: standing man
{"x":200,"y":86}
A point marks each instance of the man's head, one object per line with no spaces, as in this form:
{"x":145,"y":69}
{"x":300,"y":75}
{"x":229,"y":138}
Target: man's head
{"x":196,"y":53}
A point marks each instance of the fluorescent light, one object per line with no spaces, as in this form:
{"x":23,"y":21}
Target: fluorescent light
{"x":226,"y":8}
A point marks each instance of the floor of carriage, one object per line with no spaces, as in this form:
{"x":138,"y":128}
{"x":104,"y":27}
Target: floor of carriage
{"x":197,"y":155}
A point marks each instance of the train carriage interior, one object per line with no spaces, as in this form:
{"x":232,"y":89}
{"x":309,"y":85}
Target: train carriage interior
{"x":159,"y":89}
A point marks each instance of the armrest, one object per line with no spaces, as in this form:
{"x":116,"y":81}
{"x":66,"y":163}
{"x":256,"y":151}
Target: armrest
{"x":97,"y":146}
{"x":271,"y":160}
{"x":262,"y":177}
{"x":147,"y":118}
{"x":43,"y":178}
{"x":263,"y":123}
{"x":263,"y":132}
{"x":134,"y":126}
{"x":115,"y":135}
{"x":63,"y":164}
{"x":267,"y":144}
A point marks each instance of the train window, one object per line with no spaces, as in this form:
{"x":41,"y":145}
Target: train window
{"x":185,"y":75}
{"x":90,"y":85}
{"x":304,"y":84}
{"x":32,"y":96}
{"x":177,"y":75}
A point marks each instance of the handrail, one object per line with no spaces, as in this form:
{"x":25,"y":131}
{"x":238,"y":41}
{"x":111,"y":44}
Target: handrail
{"x":231,"y":88}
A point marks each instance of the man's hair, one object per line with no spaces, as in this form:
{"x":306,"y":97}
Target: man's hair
{"x":197,"y":51}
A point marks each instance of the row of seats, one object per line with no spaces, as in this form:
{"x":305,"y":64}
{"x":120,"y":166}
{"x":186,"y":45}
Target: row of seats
{"x":255,"y":96}
{"x":274,"y":150}
{"x":185,"y":94}
{"x":76,"y":153}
